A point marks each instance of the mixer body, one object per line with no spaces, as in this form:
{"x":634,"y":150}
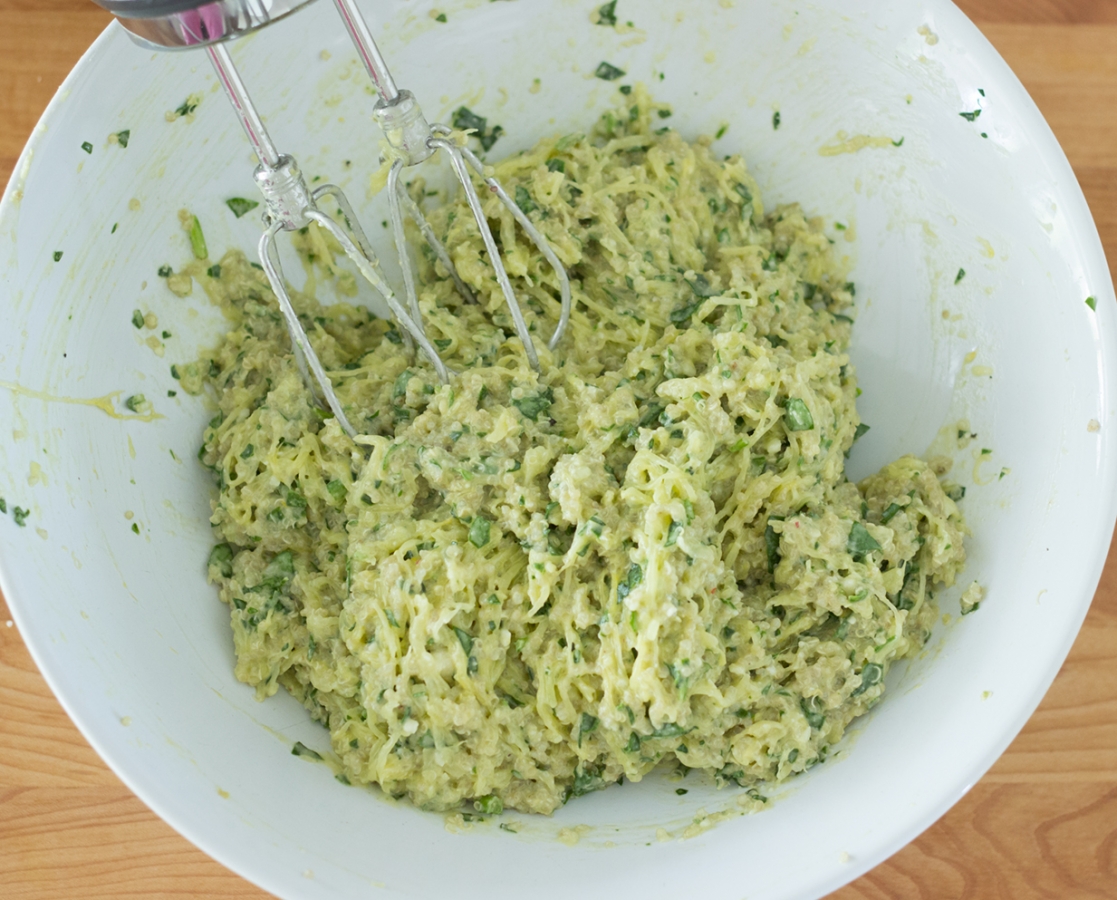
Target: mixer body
{"x":184,"y":24}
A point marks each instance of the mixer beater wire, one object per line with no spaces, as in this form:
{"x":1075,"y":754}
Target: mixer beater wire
{"x":289,"y":205}
{"x":413,"y":141}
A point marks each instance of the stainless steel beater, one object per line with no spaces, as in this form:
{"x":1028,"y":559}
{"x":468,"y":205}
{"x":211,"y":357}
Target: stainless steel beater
{"x":289,"y":203}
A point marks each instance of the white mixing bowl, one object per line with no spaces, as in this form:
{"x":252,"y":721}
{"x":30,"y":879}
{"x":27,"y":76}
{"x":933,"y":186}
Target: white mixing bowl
{"x":136,"y":645}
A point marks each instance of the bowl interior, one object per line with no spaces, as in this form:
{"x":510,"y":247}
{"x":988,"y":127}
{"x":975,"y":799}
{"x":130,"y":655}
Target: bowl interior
{"x":136,"y":644}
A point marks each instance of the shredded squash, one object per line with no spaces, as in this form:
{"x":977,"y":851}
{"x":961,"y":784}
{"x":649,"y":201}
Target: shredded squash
{"x":518,"y":588}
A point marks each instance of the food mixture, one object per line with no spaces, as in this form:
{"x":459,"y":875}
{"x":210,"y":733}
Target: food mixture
{"x":518,"y":588}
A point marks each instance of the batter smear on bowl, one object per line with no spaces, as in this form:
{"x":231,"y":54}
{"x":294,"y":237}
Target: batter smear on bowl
{"x":520,"y":587}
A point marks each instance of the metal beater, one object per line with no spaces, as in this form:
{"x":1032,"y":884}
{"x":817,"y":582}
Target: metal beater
{"x":289,"y":203}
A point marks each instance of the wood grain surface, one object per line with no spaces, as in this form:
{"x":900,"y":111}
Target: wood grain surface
{"x":1041,"y":824}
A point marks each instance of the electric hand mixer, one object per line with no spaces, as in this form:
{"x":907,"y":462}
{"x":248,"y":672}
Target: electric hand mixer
{"x":289,"y":203}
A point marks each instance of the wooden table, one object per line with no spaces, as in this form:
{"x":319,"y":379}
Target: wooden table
{"x":1043,"y":821}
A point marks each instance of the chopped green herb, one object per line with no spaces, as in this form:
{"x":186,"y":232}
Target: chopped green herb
{"x":682,"y":792}
{"x":240,"y":206}
{"x":669,"y":729}
{"x":214,"y":271}
{"x":961,"y":274}
{"x":337,"y":490}
{"x":441,"y":17}
{"x":889,"y":512}
{"x":464,"y":638}
{"x":531,"y":407}
{"x":487,"y":140}
{"x":3,"y":505}
{"x":87,"y":147}
{"x":721,"y":132}
{"x":772,"y":547}
{"x":631,"y":580}
{"x":114,"y":227}
{"x":465,"y":119}
{"x":568,"y":141}
{"x":57,"y":255}
{"x":970,"y":116}
{"x":860,"y":542}
{"x":19,"y":515}
{"x":683,"y":314}
{"x":607,"y":14}
{"x":399,"y":389}
{"x":798,"y":416}
{"x":812,"y":708}
{"x":135,"y":528}
{"x":197,"y":239}
{"x":871,"y":674}
{"x":122,"y":137}
{"x":221,"y":558}
{"x":701,"y":287}
{"x":898,"y":143}
{"x":301,"y":749}
{"x":1092,"y":303}
{"x":586,"y":779}
{"x":479,"y":531}
{"x":556,"y":165}
{"x":608,"y":72}
{"x":673,"y":533}
{"x":165,"y":271}
{"x":490,"y":805}
{"x":524,"y":201}
{"x":137,"y":318}
{"x":294,"y":499}
{"x":861,"y":430}
{"x":188,"y":106}
{"x":775,"y":120}
{"x":134,"y":401}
